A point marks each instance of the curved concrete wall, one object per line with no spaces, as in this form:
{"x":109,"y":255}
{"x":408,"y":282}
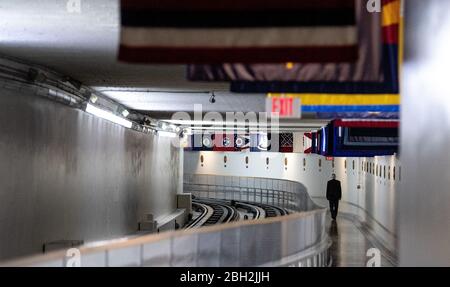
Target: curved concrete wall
{"x":372,"y":198}
{"x":68,"y":175}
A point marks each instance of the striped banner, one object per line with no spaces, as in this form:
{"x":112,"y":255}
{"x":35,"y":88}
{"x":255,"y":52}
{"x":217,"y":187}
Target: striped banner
{"x":246,"y":31}
{"x":375,"y":72}
{"x":224,"y":142}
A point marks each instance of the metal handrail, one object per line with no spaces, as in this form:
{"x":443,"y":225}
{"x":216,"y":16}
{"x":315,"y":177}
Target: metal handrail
{"x":103,"y":248}
{"x":294,"y":195}
{"x":298,"y":239}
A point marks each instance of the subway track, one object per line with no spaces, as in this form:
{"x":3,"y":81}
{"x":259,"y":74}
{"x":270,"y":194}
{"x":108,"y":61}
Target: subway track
{"x":214,"y":211}
{"x":272,"y":211}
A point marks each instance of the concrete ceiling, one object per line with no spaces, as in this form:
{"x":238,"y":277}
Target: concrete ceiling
{"x":82,"y":45}
{"x":152,"y":101}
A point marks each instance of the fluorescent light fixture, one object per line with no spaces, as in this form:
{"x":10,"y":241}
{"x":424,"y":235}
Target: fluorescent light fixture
{"x":125,"y":113}
{"x":312,"y":124}
{"x":163,"y":125}
{"x":187,"y":131}
{"x":167,"y":134}
{"x":219,"y":128}
{"x":94,"y":99}
{"x":173,"y":128}
{"x":108,"y":116}
{"x":324,"y":143}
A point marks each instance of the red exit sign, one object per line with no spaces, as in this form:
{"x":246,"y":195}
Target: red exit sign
{"x":286,"y":107}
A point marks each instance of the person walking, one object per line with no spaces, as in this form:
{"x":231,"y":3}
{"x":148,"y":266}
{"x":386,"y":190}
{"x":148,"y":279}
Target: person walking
{"x":334,"y":194}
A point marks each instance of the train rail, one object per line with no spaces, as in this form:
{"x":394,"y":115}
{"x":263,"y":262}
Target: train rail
{"x":256,"y":211}
{"x":272,"y":211}
{"x":215,"y":211}
{"x":204,"y":211}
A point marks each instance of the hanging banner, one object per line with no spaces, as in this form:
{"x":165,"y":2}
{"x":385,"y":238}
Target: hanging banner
{"x":375,"y":72}
{"x":246,"y":31}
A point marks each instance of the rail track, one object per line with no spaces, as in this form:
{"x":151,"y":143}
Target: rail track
{"x":214,"y":211}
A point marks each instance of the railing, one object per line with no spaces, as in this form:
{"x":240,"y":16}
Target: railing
{"x":282,"y":193}
{"x":294,"y":240}
{"x":299,"y":239}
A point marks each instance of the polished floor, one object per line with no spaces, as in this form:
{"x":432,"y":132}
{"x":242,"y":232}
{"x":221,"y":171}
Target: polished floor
{"x":350,"y":245}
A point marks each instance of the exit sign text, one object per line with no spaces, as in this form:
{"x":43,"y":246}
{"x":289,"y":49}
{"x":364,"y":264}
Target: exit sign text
{"x":286,"y":107}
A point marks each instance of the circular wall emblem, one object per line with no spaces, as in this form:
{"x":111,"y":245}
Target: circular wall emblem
{"x":240,"y":142}
{"x":226,"y":142}
{"x":207,"y":142}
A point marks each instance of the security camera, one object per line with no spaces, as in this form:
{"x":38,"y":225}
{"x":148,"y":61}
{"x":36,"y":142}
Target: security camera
{"x":212,"y":100}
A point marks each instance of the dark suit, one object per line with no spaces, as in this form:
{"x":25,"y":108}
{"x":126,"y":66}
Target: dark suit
{"x":334,"y":194}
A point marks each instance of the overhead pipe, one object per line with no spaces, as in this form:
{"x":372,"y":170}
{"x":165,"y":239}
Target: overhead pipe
{"x":68,"y":91}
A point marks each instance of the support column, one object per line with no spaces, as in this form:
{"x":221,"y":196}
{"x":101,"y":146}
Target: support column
{"x":424,"y":203}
